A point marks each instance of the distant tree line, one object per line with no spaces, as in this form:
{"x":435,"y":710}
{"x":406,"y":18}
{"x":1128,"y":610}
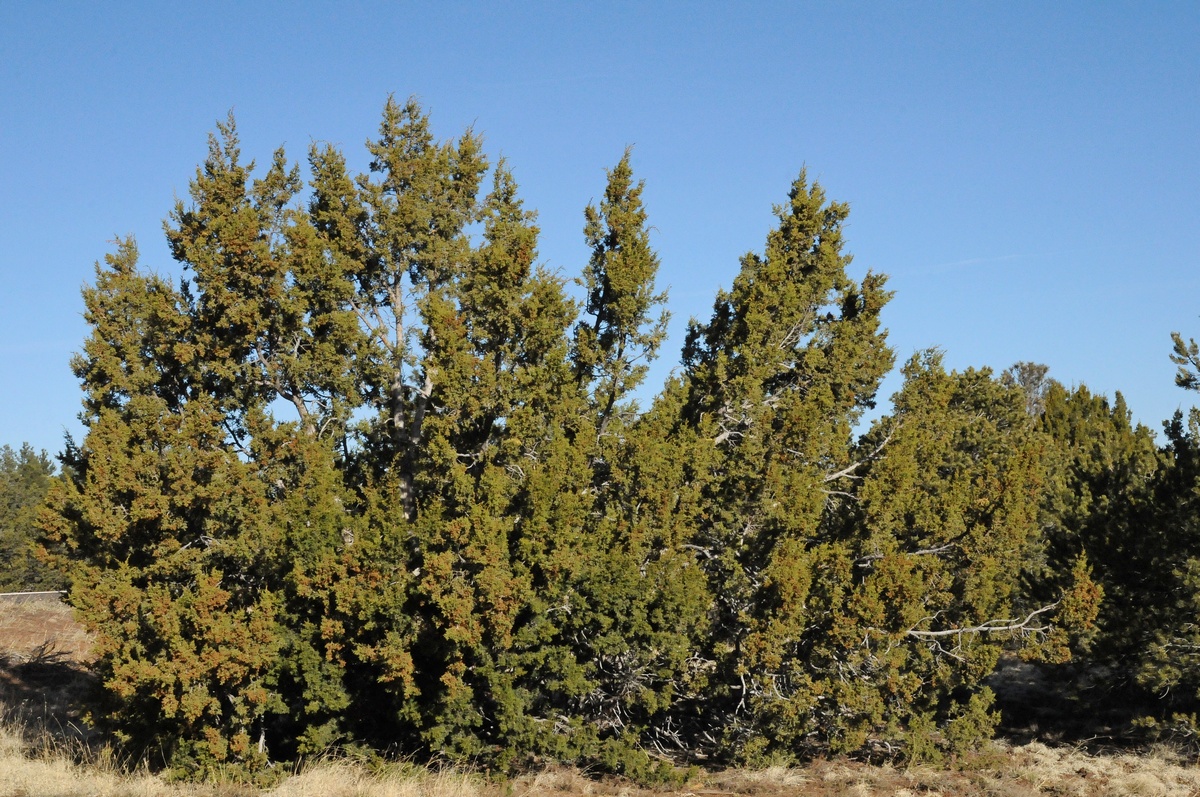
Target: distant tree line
{"x":370,"y":476}
{"x":25,"y":476}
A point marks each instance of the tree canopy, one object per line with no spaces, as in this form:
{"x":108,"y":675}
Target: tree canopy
{"x":369,"y":474}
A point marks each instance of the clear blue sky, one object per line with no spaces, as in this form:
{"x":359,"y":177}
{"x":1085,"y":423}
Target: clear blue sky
{"x":1028,"y":173}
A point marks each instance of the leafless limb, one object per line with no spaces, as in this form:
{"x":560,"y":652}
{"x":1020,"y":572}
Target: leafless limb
{"x":865,"y":561}
{"x":849,"y":470}
{"x":989,"y":627}
{"x":841,"y":493}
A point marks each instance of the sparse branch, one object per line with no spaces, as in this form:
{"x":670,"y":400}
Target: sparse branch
{"x":989,"y":627}
{"x":1187,"y":357}
{"x":700,"y":549}
{"x":864,"y":561}
{"x":849,"y":470}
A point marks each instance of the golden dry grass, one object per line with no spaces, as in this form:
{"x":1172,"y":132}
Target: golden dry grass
{"x":349,"y":780}
{"x":40,"y":624}
{"x":1026,"y":771}
{"x":26,"y":772}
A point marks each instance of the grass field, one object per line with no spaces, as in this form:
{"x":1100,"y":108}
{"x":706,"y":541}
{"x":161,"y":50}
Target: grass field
{"x":46,"y":751}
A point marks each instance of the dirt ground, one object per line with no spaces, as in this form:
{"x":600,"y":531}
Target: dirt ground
{"x":36,"y":625}
{"x":42,"y":679}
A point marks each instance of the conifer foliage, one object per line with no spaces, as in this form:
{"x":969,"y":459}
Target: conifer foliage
{"x":369,"y":474}
{"x":25,"y":478}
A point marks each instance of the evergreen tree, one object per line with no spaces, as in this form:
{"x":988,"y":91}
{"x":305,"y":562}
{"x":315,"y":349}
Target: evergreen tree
{"x":775,"y":384}
{"x":614,"y":344}
{"x":190,"y":503}
{"x":270,"y":318}
{"x":501,"y":497}
{"x":1159,"y":576}
{"x":25,"y":478}
{"x":1168,"y":559}
{"x":269,"y":311}
{"x":1187,"y":357}
{"x":365,"y":478}
{"x":164,"y":535}
{"x":640,"y":595}
{"x":945,"y":519}
{"x":1096,"y":507}
{"x":423,"y":196}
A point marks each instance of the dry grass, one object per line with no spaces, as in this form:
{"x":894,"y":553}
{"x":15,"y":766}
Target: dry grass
{"x":34,"y":624}
{"x":26,"y":772}
{"x":1027,"y":771}
{"x":350,"y":780}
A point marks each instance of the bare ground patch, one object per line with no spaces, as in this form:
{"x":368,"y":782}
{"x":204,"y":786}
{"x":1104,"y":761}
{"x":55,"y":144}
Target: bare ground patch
{"x":38,"y":624}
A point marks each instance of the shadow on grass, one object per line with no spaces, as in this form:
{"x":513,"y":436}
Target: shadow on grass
{"x":1097,"y":710}
{"x":42,"y":695}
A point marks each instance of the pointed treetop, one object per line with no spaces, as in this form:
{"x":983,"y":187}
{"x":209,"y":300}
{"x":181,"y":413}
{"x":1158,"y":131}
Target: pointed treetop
{"x":613,"y":348}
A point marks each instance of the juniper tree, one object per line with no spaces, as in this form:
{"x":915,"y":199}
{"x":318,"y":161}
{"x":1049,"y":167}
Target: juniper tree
{"x":775,"y":382}
{"x":419,"y":197}
{"x":271,"y":315}
{"x":193,"y":374}
{"x":945,"y":518}
{"x":1096,"y":507}
{"x":1158,"y":573}
{"x":641,"y":595}
{"x":363,"y":478}
{"x":502,"y":496}
{"x":269,"y":310}
{"x":1142,"y":524}
{"x":1157,"y":625}
{"x":618,"y":336}
{"x":1187,"y":357}
{"x":164,"y":535}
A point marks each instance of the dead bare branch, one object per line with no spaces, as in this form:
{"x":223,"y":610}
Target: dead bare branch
{"x":989,"y":627}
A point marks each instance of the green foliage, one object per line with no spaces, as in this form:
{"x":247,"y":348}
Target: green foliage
{"x":1187,"y":357}
{"x":1095,"y":508}
{"x":1161,"y":640}
{"x":1120,"y":516}
{"x":774,"y":385}
{"x":945,"y":518}
{"x":612,"y":349}
{"x":25,"y":478}
{"x":369,"y":477}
